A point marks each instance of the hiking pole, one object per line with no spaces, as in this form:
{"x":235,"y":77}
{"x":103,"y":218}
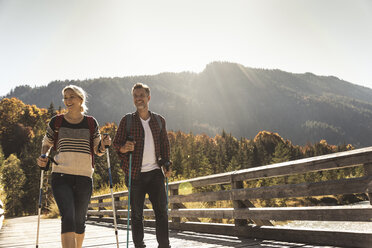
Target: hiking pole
{"x":40,"y":195}
{"x":130,"y":138}
{"x":112,"y":194}
{"x":166,"y":165}
{"x":166,"y":183}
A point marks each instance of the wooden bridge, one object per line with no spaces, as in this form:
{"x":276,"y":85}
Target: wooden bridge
{"x":196,"y":219}
{"x":21,"y":233}
{"x":189,"y":212}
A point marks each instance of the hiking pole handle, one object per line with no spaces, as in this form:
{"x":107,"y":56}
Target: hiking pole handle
{"x":50,"y":159}
{"x":167,"y":165}
{"x":46,"y":168}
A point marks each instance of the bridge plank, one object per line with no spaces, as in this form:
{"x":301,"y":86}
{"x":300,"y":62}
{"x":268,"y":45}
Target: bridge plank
{"x":21,"y":233}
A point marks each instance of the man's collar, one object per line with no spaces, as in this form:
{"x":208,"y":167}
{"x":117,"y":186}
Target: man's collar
{"x":136,"y":114}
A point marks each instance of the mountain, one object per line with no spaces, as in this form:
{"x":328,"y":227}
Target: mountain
{"x":241,"y":100}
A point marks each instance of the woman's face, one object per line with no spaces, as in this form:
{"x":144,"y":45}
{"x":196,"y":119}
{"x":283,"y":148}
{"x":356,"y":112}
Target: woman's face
{"x":72,"y":101}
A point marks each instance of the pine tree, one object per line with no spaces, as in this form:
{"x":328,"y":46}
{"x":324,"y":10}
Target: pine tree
{"x":51,"y":110}
{"x":177,"y":162}
{"x":282,"y":153}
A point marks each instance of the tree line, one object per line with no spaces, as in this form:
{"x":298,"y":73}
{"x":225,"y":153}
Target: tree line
{"x":22,"y":128}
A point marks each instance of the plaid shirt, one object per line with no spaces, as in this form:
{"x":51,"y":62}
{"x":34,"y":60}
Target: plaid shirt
{"x":161,"y":141}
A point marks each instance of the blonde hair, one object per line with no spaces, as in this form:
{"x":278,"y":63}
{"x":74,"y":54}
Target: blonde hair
{"x":81,"y":93}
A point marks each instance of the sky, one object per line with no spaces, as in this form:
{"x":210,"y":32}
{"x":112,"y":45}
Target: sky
{"x":46,"y":40}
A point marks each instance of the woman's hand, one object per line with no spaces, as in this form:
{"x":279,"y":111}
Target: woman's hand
{"x":42,"y":161}
{"x":106,"y":140}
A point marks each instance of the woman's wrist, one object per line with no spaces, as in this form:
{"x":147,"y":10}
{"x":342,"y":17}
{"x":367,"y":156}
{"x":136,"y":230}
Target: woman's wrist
{"x":102,"y":148}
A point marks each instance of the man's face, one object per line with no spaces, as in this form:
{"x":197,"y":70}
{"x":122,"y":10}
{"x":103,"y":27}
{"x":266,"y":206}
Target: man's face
{"x":141,"y":99}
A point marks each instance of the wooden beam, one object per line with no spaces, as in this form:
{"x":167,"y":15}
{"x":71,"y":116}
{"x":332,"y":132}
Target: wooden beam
{"x":343,"y":186}
{"x":340,"y":213}
{"x":325,"y":162}
{"x":361,"y":214}
{"x":108,"y":196}
{"x":333,"y":187}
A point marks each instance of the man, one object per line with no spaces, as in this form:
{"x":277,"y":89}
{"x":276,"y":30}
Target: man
{"x":149,"y":145}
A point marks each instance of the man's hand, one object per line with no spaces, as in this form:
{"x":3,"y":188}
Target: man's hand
{"x":167,"y":173}
{"x":166,"y":168}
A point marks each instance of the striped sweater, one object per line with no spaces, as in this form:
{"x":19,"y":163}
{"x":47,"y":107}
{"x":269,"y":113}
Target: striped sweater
{"x":73,"y":147}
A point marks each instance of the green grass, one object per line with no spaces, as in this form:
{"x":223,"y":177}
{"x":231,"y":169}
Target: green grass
{"x":105,"y":189}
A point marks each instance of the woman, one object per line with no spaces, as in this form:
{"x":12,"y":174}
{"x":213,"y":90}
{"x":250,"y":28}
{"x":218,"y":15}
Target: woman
{"x":76,"y":138}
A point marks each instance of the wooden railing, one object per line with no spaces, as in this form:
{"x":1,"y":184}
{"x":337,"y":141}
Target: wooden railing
{"x":243,"y":212}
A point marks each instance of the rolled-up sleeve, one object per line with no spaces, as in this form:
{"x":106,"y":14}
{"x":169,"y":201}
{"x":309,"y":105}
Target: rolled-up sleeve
{"x":97,"y":141}
{"x":120,"y":138}
{"x":48,"y":140}
{"x":164,"y":144}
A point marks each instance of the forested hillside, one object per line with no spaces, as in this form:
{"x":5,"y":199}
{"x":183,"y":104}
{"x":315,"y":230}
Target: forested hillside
{"x":240,"y":100}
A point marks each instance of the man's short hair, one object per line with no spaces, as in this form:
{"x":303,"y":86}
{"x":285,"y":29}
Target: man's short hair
{"x":141,"y":86}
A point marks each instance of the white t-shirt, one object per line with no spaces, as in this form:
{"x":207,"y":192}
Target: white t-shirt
{"x":149,"y":159}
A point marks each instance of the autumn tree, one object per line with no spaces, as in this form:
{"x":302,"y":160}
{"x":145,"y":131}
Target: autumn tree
{"x":13,"y":179}
{"x":100,"y":176}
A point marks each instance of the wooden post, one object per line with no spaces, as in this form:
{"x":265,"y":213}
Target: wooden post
{"x":175,"y":206}
{"x":238,"y":204}
{"x":99,"y":209}
{"x":117,"y":199}
{"x":368,"y":172}
{"x":246,"y":204}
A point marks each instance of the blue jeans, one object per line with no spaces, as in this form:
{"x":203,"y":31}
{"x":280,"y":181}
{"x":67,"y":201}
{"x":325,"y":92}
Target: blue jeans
{"x":152,"y":183}
{"x":72,"y":194}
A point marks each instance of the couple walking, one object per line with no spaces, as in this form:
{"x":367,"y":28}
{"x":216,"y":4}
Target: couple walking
{"x":76,"y":138}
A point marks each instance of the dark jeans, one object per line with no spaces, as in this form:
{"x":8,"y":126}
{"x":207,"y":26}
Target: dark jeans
{"x":152,"y":183}
{"x":72,"y":194}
